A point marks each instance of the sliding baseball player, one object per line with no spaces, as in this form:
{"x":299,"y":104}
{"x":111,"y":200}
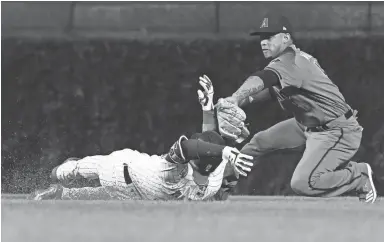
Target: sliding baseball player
{"x":193,"y":169}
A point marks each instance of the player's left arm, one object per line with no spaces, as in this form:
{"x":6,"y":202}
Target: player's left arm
{"x":205,"y":97}
{"x":253,"y":86}
{"x":210,"y":116}
{"x":209,"y":121}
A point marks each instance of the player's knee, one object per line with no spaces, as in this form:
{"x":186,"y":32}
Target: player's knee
{"x":299,"y":185}
{"x":256,"y":146}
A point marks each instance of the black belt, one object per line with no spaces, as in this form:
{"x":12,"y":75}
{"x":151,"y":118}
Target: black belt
{"x":127,"y":177}
{"x":324,"y":127}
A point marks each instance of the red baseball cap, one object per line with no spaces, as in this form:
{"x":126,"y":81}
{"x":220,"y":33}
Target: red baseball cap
{"x":273,"y":24}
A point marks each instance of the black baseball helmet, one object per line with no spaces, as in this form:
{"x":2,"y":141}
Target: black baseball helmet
{"x":208,"y":165}
{"x":273,"y":23}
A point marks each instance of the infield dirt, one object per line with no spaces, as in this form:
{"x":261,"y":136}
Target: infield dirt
{"x":238,"y":219}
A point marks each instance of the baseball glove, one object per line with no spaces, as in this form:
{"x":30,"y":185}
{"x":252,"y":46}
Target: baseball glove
{"x":230,"y":120}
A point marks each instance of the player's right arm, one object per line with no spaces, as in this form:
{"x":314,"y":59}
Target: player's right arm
{"x":186,"y":149}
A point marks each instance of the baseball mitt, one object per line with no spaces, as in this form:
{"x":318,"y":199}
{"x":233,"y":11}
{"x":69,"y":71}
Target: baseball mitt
{"x":230,"y":120}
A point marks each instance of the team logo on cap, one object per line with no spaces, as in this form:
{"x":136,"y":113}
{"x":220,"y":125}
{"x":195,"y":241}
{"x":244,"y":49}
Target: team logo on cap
{"x":265,"y":23}
{"x":209,"y":166}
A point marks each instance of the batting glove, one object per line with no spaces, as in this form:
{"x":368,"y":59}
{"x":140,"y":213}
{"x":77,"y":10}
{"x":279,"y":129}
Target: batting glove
{"x":241,"y":163}
{"x":206,"y":96}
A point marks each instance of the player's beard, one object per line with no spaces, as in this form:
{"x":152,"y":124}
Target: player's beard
{"x":267,"y":54}
{"x":271,"y":53}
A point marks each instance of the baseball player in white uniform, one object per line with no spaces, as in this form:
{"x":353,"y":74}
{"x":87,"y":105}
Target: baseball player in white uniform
{"x":131,"y":175}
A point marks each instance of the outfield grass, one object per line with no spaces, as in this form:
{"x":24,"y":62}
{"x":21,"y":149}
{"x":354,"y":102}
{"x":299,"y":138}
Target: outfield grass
{"x":239,"y":219}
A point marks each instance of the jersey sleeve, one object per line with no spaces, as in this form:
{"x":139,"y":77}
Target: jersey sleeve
{"x":285,"y":70}
{"x":207,"y":192}
{"x":186,"y":149}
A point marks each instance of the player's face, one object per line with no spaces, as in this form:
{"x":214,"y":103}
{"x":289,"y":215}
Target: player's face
{"x":197,"y":177}
{"x":272,"y":44}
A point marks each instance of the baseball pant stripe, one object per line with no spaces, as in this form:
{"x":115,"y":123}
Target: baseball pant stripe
{"x":321,"y":160}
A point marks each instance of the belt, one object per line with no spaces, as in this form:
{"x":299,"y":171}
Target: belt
{"x":324,"y":127}
{"x":127,"y":177}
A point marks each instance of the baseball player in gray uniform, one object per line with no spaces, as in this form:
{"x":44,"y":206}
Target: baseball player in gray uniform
{"x":323,"y":121}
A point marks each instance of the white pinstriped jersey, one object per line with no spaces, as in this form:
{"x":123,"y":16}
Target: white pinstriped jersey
{"x":157,"y":179}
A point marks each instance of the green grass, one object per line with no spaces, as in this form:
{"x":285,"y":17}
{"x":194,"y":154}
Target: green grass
{"x":239,"y":219}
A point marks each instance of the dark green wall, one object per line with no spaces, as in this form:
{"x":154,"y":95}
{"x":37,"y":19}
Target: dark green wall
{"x":78,"y":98}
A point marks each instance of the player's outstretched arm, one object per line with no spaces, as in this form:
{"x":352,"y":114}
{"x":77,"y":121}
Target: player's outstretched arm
{"x":230,"y":116}
{"x":262,"y":96}
{"x":186,"y":149}
{"x":205,"y":97}
{"x":250,"y":90}
{"x":197,"y":149}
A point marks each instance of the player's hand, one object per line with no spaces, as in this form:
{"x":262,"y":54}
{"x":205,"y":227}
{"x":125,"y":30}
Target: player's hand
{"x":241,"y":163}
{"x":205,"y":96}
{"x":230,"y":120}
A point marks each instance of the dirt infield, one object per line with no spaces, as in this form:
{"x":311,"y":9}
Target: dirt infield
{"x":241,"y":218}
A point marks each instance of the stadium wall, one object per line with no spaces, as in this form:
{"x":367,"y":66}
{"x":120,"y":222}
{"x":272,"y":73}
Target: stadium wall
{"x":170,"y":19}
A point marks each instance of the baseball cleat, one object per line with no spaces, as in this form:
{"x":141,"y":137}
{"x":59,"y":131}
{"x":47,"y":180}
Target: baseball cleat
{"x":65,"y":176}
{"x":368,"y":193}
{"x":54,"y":191}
